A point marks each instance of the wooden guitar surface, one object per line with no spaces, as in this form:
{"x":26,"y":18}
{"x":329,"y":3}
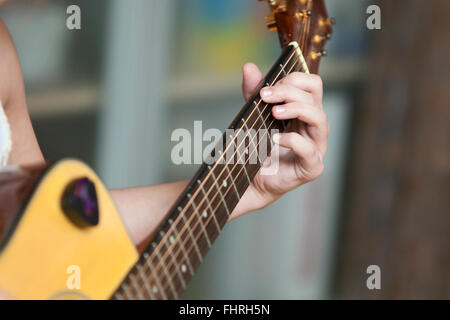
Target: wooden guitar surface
{"x":38,"y":260}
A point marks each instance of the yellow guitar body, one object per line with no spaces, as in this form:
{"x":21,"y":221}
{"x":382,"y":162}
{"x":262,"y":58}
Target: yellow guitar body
{"x":49,"y":257}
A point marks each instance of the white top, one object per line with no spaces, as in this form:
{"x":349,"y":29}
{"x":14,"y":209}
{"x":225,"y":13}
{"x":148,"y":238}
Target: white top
{"x":5,"y":138}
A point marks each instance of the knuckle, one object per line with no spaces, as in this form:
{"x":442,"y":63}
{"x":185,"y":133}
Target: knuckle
{"x":280,"y":90}
{"x":320,"y":169}
{"x":291,"y":137}
{"x":323,"y":120}
{"x":323,"y":117}
{"x":292,"y":78}
{"x":316,"y":82}
{"x":309,"y":151}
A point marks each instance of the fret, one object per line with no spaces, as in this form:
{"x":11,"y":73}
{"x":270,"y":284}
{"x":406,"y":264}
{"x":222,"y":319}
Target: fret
{"x":205,"y":211}
{"x":127,"y":293}
{"x":246,"y":175}
{"x":160,"y":288}
{"x":220,"y":192}
{"x":187,"y":241}
{"x":258,"y":111}
{"x":136,"y":287}
{"x":200,"y":257}
{"x":175,"y":264}
{"x":233,"y":182}
{"x":282,"y":69}
{"x":169,"y":279}
{"x":182,"y":248}
{"x":197,"y":213}
{"x":254,"y":150}
{"x":147,"y":287}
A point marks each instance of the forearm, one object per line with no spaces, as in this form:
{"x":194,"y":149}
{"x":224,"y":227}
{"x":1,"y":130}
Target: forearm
{"x":144,"y":208}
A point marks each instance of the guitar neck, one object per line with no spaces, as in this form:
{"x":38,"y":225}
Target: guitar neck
{"x":166,"y":266}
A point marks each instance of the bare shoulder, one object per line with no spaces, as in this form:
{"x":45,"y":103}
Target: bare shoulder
{"x":11,"y":81}
{"x":25,"y":148}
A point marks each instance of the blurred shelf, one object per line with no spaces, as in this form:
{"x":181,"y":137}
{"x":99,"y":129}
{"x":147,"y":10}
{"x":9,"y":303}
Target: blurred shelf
{"x":336,"y":72}
{"x":64,"y":100}
{"x":85,"y":97}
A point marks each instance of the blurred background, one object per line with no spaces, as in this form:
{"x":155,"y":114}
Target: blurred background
{"x":112,"y":93}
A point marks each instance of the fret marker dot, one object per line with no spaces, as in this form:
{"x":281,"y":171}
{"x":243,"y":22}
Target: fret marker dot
{"x":225,"y":184}
{"x":170,"y":221}
{"x":179,"y":208}
{"x":183,"y":268}
{"x":171,"y":239}
{"x":161,"y":233}
{"x":146,"y":255}
{"x":205,"y":214}
{"x":154,"y":244}
{"x":246,"y":151}
{"x":199,"y":182}
{"x":189,"y":195}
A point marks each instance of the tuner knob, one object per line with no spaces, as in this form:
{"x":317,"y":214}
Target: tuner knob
{"x":319,"y":38}
{"x":331,"y":21}
{"x":271,"y":2}
{"x":304,"y":13}
{"x":271,"y":22}
{"x":316,"y":55}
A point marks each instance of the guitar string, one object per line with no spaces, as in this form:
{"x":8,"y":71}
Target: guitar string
{"x":211,"y":171}
{"x":189,"y":250}
{"x":209,"y":220}
{"x":181,"y":232}
{"x":307,"y":27}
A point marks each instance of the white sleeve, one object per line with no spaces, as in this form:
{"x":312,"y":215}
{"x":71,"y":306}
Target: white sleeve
{"x":5,"y":138}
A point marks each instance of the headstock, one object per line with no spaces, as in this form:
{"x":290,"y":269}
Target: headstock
{"x":304,"y":21}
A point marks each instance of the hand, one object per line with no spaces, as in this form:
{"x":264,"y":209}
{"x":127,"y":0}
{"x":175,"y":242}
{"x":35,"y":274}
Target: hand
{"x":297,"y":97}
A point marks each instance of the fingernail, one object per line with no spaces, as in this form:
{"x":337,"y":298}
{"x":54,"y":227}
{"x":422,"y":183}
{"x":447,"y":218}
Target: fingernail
{"x":276,"y":138}
{"x":266,"y":92}
{"x":280,"y":110}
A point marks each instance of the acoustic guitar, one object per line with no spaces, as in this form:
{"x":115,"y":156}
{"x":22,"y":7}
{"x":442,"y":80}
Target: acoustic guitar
{"x":58,"y":220}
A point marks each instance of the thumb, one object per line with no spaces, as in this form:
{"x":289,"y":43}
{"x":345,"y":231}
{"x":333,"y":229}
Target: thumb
{"x":251,"y":79}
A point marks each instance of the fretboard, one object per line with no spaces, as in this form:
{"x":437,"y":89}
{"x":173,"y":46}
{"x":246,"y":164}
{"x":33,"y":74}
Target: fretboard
{"x":166,"y":266}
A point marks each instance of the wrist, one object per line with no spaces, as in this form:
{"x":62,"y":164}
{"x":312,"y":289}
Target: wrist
{"x":252,"y":200}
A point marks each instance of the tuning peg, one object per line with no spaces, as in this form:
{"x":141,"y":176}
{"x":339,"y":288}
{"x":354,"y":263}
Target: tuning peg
{"x":316,"y":55}
{"x":319,"y":38}
{"x":304,"y":13}
{"x":271,"y":22}
{"x":331,"y":21}
{"x":271,"y":2}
